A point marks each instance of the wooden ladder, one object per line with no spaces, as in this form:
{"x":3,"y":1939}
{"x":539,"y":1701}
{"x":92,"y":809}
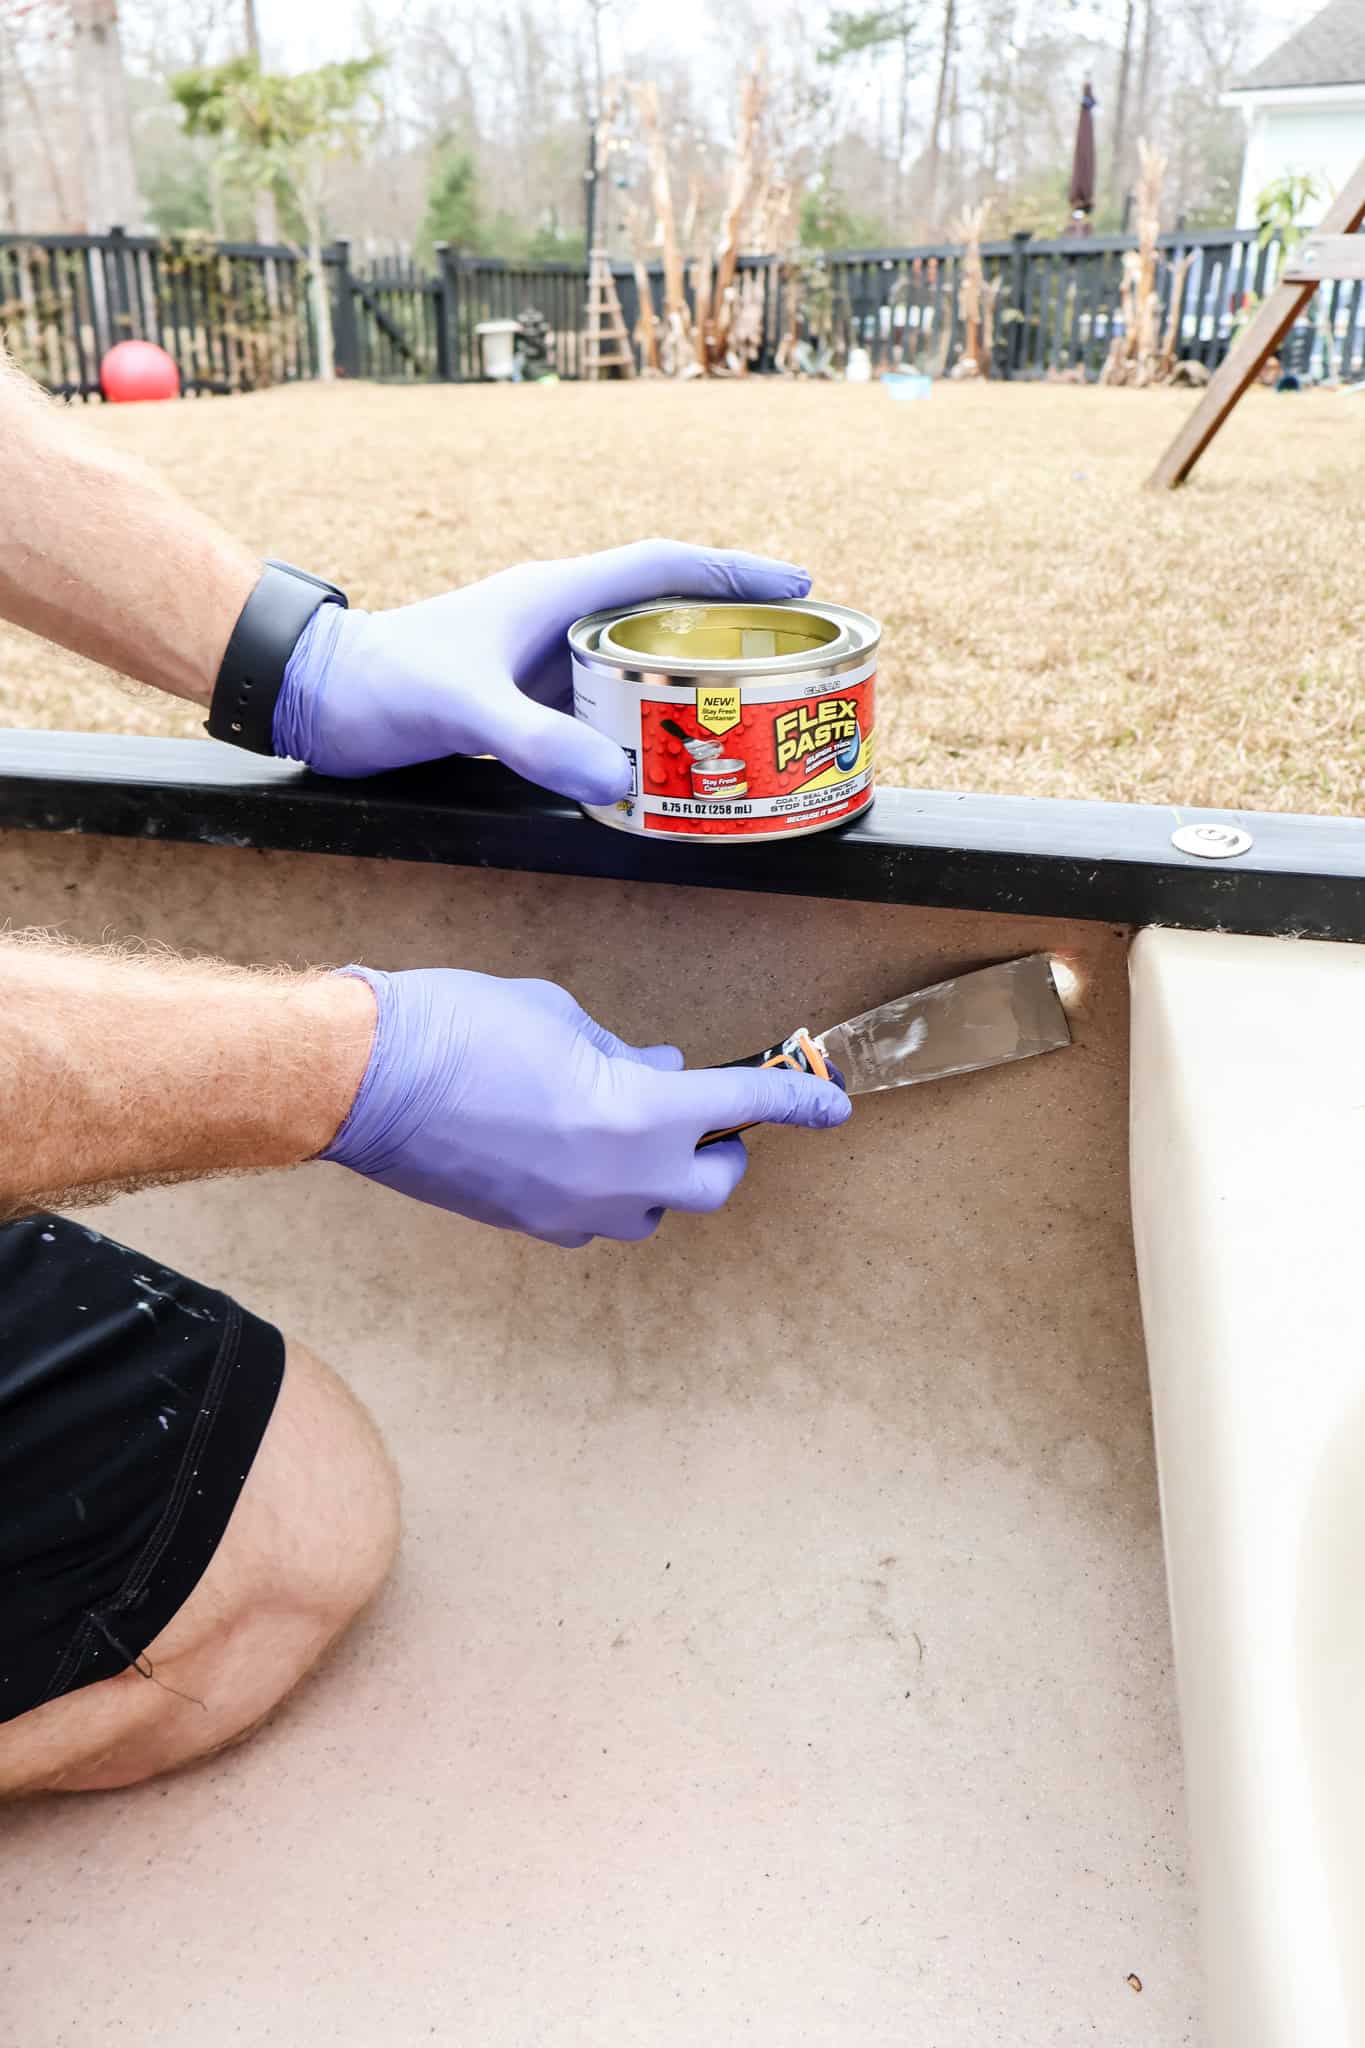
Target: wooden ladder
{"x":606,"y":345}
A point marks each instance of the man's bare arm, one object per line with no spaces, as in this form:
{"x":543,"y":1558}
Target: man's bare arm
{"x":98,"y":555}
{"x":500,"y":1100}
{"x":118,"y":1069}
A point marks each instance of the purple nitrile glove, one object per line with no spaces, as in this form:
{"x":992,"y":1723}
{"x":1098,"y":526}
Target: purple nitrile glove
{"x":503,"y":1101}
{"x":485,"y":670}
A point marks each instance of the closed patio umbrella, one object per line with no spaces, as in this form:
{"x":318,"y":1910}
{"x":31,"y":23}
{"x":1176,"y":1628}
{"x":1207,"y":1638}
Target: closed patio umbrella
{"x":1082,"y":194}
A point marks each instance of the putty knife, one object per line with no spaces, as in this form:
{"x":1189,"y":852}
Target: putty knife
{"x":982,"y":1019}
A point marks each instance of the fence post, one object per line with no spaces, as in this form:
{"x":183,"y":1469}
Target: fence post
{"x":441,"y":251}
{"x":1018,"y":281}
{"x":119,"y":306}
{"x":628,"y":294}
{"x":460,"y":339}
{"x":345,"y":332}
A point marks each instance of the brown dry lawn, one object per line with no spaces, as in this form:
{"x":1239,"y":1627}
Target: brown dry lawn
{"x":1050,"y":628}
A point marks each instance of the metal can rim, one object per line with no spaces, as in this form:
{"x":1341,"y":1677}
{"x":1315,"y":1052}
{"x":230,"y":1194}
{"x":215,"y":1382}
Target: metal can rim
{"x":864,"y":637}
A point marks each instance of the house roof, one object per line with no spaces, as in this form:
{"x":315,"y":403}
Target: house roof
{"x":1328,"y":50}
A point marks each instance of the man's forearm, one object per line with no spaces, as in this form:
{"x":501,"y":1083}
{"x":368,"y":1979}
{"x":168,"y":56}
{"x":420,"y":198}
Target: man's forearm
{"x":117,"y":1070}
{"x":98,"y":555}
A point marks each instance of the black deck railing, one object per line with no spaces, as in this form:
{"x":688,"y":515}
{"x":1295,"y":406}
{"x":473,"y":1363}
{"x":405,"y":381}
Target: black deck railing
{"x":238,"y":315}
{"x":1029,"y":856}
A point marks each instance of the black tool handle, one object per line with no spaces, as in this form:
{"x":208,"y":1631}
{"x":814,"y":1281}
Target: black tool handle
{"x":799,"y":1052}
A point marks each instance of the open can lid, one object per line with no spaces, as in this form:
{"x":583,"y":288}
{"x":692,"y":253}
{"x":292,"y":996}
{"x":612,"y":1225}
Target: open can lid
{"x":734,"y":635}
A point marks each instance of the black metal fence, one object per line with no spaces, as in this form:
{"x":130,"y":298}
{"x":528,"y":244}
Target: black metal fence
{"x":1058,"y":306}
{"x":236,"y":316}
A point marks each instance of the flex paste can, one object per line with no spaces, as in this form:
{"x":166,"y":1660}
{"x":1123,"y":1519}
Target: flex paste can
{"x":741,"y":721}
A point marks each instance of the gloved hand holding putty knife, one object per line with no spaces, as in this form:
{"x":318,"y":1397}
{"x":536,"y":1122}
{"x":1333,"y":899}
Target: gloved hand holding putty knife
{"x":504,"y":1101}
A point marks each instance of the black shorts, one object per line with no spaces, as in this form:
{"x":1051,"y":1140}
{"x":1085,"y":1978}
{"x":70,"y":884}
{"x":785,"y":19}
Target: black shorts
{"x":132,"y":1403}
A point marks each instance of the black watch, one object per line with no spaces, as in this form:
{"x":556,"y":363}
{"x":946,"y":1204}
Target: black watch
{"x":242,"y":709}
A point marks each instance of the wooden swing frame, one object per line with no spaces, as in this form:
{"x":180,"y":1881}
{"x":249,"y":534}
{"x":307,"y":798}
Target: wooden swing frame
{"x":1331,"y":254}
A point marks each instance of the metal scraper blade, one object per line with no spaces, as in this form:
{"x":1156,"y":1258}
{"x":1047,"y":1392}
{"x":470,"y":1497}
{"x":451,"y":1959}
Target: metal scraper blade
{"x":982,"y":1019}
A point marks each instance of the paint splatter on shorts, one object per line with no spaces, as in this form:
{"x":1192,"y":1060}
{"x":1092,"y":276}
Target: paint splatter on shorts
{"x":132,"y":1403}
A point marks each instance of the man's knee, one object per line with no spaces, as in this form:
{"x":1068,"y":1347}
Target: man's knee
{"x":319,"y":1526}
{"x":310,"y":1541}
{"x":309,"y":1544}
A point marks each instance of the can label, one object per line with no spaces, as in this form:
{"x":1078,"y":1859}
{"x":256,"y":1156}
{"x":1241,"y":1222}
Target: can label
{"x":797,"y":751}
{"x":719,"y":779}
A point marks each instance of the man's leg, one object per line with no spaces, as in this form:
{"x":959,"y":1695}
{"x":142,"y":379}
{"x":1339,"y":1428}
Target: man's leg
{"x":313,"y":1534}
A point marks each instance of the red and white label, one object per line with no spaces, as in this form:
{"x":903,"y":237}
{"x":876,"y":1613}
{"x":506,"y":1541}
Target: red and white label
{"x":797,"y":754}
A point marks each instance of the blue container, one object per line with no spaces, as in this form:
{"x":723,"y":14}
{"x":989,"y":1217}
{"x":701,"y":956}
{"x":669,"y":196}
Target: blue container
{"x":907,"y":384}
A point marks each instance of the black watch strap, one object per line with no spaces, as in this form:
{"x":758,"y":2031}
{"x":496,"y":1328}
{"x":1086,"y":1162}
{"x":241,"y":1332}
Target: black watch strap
{"x":242,"y":710}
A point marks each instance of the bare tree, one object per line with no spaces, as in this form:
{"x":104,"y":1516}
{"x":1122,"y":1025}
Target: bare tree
{"x":265,"y":212}
{"x":111,"y":194}
{"x":933,"y":166}
{"x":9,"y":195}
{"x":1144,"y":83}
{"x":37,"y":108}
{"x":938,"y":105}
{"x":909,"y":22}
{"x":161,"y":37}
{"x":1219,"y":31}
{"x":595,"y":214}
{"x":597,"y":10}
{"x":868,"y":32}
{"x":998,"y":102}
{"x":1118,"y":148}
{"x":444,"y":73}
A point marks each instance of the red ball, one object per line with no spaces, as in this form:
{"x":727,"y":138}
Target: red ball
{"x":134,"y":370}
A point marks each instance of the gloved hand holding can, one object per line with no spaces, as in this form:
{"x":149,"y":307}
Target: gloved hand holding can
{"x":486,"y":669}
{"x":504,"y":1101}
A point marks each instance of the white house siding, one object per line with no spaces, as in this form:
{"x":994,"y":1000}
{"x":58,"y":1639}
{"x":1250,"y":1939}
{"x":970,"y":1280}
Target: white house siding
{"x":1328,"y":142}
